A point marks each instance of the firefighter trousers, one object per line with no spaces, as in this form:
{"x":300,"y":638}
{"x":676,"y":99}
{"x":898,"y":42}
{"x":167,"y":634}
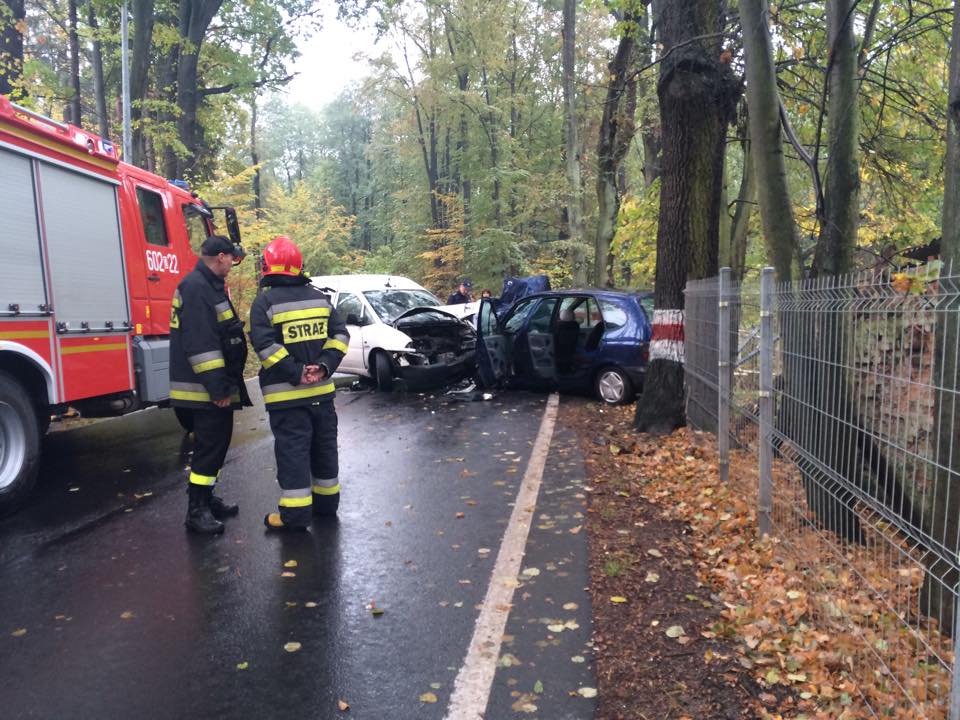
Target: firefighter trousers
{"x":305,"y":444}
{"x":212,"y":430}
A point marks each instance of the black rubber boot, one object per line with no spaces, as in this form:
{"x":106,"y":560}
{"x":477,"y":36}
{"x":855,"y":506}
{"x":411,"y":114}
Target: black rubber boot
{"x":199,"y":518}
{"x":221,"y":509}
{"x":325,"y":505}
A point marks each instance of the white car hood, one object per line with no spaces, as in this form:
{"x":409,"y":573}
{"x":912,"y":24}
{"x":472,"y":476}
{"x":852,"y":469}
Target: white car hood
{"x":462,"y":310}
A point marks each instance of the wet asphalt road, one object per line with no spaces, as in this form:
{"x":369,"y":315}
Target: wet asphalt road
{"x":127,"y":616}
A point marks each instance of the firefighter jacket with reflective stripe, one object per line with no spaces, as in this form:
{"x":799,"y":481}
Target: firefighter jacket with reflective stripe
{"x":207,"y":345}
{"x":293,"y":324}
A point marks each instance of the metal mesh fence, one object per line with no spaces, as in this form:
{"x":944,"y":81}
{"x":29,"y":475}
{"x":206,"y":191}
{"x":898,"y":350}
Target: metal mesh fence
{"x":700,"y":352}
{"x":858,"y":475}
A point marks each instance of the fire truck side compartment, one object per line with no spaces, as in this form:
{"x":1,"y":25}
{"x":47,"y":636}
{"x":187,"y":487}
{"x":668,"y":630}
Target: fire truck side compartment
{"x":85,"y":252}
{"x":21,"y":272}
{"x":151,"y":360}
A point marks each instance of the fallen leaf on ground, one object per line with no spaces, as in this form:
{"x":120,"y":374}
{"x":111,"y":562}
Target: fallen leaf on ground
{"x":343,"y":705}
{"x":428,"y":697}
{"x":291,"y":647}
{"x":674,"y":631}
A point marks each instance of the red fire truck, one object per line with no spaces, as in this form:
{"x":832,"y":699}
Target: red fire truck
{"x":91,"y":251}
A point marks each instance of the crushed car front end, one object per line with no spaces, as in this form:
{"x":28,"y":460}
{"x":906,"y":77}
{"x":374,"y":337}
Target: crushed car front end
{"x":441,"y":349}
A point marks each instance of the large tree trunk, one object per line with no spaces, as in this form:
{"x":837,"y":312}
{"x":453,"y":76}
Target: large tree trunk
{"x":838,"y":235}
{"x":698,"y":95}
{"x":99,"y":85}
{"x":255,"y":159}
{"x":942,"y":574}
{"x":815,"y":372}
{"x":74,"y":41}
{"x":11,"y":48}
{"x":195,"y":17}
{"x":616,"y":132}
{"x":740,"y":224}
{"x":574,"y":188}
{"x":143,"y":19}
{"x":460,"y":173}
{"x":763,"y":99}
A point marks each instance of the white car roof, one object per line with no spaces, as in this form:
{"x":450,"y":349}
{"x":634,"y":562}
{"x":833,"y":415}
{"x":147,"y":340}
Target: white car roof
{"x":361,"y":283}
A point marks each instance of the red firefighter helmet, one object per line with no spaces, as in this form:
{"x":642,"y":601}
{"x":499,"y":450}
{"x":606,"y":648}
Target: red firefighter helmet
{"x":282,"y":257}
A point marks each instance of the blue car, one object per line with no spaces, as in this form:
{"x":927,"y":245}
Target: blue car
{"x":581,"y":341}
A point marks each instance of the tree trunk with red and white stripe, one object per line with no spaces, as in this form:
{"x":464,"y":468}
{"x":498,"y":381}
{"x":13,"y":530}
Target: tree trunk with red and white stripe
{"x":698,"y":94}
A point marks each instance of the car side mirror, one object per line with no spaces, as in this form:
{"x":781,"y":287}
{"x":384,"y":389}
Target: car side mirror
{"x":352,"y":319}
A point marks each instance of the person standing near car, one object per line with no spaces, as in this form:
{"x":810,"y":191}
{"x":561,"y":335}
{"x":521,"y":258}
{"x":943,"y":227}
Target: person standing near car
{"x":300,"y":340}
{"x":462,"y":295}
{"x":207,"y":355}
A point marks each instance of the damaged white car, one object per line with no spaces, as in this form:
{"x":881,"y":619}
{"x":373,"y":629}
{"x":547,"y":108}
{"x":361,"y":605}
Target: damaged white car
{"x":400,"y":330}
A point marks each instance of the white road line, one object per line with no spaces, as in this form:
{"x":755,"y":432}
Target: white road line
{"x":471,"y":691}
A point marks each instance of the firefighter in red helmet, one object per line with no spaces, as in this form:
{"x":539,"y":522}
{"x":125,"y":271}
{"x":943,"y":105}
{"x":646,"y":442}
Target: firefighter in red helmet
{"x":300,"y":340}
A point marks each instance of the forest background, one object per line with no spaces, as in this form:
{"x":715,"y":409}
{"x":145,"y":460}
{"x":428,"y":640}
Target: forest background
{"x":489,"y":138}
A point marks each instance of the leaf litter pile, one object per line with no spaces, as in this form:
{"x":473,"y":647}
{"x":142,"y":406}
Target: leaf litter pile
{"x":694,"y":617}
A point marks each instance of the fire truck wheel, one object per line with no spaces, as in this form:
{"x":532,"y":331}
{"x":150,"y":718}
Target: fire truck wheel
{"x":19,"y":445}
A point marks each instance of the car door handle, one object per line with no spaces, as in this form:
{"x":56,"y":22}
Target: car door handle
{"x":153,"y":278}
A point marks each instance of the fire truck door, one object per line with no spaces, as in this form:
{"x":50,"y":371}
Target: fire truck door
{"x":161,"y":261}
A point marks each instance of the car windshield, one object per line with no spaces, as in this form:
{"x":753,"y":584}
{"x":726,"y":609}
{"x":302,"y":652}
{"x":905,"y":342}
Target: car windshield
{"x":391,"y":304}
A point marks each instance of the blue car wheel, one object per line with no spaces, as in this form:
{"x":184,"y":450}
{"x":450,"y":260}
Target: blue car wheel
{"x":613,"y":386}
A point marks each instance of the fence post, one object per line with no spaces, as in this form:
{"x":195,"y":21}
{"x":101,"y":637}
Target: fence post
{"x":766,"y":401}
{"x":723,"y":374}
{"x":955,"y":678}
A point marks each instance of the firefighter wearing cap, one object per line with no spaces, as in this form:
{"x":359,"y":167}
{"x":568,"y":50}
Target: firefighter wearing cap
{"x":207,"y":355}
{"x":300,"y":340}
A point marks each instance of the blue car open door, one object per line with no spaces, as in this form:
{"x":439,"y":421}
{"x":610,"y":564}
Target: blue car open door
{"x":492,"y":353}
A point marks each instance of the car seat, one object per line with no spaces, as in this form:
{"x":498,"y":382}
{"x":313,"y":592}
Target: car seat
{"x":567,"y":334}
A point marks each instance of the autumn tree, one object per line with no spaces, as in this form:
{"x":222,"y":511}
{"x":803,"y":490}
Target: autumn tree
{"x":764,"y":153}
{"x":698,"y":94}
{"x":572,"y":138}
{"x":617,"y":127}
{"x":944,"y":520}
{"x":11,"y":46}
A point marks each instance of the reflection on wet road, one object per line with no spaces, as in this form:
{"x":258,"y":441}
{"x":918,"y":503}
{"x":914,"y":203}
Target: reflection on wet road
{"x":110,"y":610}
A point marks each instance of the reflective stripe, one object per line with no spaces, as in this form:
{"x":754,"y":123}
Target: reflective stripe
{"x":224,"y":311}
{"x":306,"y":314}
{"x":334,"y":344}
{"x":320,"y":302}
{"x":282,"y":392}
{"x":209,"y":365}
{"x":269,"y":350}
{"x":100,"y":347}
{"x":275,"y":358}
{"x":326,"y":487}
{"x":187,"y":387}
{"x":272,"y":354}
{"x":193,"y":396}
{"x":205,"y":480}
{"x":194,"y":392}
{"x":296,"y":498}
{"x":206,"y":361}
